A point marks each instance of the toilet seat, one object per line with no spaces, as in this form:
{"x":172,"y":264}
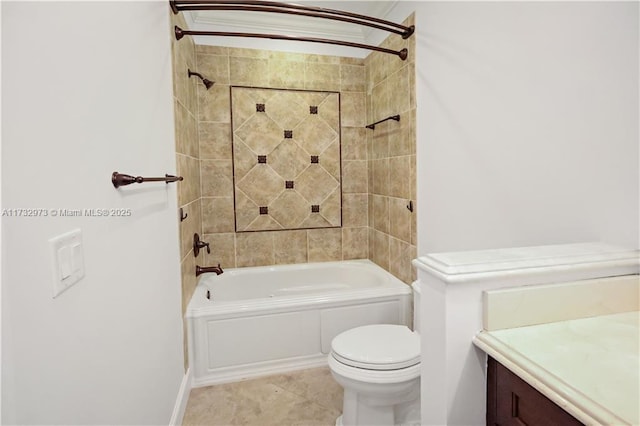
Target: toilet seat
{"x":377,"y":347}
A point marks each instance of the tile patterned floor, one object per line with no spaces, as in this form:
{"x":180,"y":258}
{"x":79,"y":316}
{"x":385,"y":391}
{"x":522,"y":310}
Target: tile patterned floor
{"x":306,"y":397}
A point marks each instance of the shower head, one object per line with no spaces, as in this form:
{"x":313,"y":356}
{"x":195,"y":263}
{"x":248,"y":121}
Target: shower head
{"x":207,"y":83}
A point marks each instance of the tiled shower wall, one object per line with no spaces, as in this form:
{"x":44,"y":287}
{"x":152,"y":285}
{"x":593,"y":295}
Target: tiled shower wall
{"x":391,"y":153}
{"x":378,"y":166}
{"x":260,"y":68}
{"x":187,"y":156}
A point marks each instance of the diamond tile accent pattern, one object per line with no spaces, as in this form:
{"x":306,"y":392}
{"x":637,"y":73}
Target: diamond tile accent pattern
{"x":289,"y":135}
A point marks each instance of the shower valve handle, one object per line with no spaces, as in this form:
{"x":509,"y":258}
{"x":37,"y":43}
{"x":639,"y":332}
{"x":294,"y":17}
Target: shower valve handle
{"x":198,"y":244}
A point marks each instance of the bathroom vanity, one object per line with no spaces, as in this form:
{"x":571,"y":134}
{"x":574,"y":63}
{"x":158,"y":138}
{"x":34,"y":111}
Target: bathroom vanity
{"x":510,"y":290}
{"x":512,"y":400}
{"x":563,"y":354}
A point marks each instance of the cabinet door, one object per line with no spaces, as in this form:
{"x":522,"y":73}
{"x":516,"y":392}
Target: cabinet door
{"x":512,"y":401}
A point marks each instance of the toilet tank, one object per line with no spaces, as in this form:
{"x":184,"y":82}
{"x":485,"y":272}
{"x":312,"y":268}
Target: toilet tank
{"x":416,"y":306}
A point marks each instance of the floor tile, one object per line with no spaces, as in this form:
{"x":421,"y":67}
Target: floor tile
{"x":306,"y":397}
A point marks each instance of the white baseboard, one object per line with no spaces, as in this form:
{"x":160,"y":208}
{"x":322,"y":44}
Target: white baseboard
{"x":238,"y":373}
{"x":181,"y":400}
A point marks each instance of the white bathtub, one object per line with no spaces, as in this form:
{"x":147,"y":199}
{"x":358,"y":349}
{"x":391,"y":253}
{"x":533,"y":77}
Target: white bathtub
{"x":272,"y":319}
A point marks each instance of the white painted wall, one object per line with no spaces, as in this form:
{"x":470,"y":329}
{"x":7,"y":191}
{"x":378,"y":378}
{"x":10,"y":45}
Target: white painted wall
{"x":528,"y":123}
{"x":527,"y":135}
{"x":87,"y":91}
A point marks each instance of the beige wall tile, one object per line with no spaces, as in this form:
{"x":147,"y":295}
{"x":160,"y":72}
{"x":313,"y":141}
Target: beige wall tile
{"x":380,"y":249}
{"x":399,"y":177}
{"x":217,"y":178}
{"x":289,"y":209}
{"x":261,"y":184}
{"x":246,"y":211}
{"x":321,"y":76}
{"x":217,"y":215}
{"x":187,"y":152}
{"x":412,"y":131}
{"x":414,"y":227}
{"x":379,"y":102}
{"x":185,"y":131}
{"x":287,"y":56}
{"x":286,"y":74}
{"x":331,"y":208}
{"x":315,"y":184}
{"x":378,"y":71}
{"x":382,"y":104}
{"x":370,"y":176}
{"x":352,"y":78}
{"x":395,"y":63}
{"x":215,"y":141}
{"x":322,"y":59}
{"x":214,"y":104}
{"x":223,"y":250}
{"x":183,"y":52}
{"x":391,"y":154}
{"x":400,"y":256}
{"x":213,"y":67}
{"x":315,"y":221}
{"x":183,"y":59}
{"x":325,"y":245}
{"x":380,"y":176}
{"x":351,"y":61}
{"x":290,"y":247}
{"x":380,"y":142}
{"x":264,"y":222}
{"x":399,"y":219}
{"x":214,"y":136}
{"x":189,"y":281}
{"x":211,"y":50}
{"x":402,"y":136}
{"x":189,"y":187}
{"x":248,"y":53}
{"x":354,"y":143}
{"x":412,"y":86}
{"x":354,"y":176}
{"x":355,"y":243}
{"x":367,"y":105}
{"x":191,"y":225}
{"x":185,"y":345}
{"x":355,"y":210}
{"x":254,"y":249}
{"x":248,"y":71}
{"x":381,"y":213}
{"x":398,"y":91}
{"x":330,"y":160}
{"x":412,"y":177}
{"x":352,"y":109}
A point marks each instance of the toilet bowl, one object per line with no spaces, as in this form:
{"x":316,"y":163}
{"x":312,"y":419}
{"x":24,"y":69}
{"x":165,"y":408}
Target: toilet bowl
{"x":379,"y":368}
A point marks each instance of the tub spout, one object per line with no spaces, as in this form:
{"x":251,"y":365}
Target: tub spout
{"x":204,"y":269}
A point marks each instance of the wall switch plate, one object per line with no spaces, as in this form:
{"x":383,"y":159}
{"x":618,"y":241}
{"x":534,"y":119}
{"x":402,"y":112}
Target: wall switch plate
{"x":67,"y":260}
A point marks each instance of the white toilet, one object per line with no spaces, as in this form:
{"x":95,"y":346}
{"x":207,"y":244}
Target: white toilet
{"x":379,"y":368}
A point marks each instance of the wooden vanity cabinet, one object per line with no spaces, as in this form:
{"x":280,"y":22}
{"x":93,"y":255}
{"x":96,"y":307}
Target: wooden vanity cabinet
{"x":512,"y":401}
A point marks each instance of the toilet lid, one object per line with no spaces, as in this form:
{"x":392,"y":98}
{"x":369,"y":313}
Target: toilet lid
{"x":377,"y":347}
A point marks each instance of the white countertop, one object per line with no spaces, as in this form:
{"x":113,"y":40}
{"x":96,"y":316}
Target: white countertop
{"x":589,"y":366}
{"x":463,"y":266}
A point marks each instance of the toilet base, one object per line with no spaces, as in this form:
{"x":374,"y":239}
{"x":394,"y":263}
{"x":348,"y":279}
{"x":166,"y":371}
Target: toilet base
{"x":360,"y":410}
{"x":411,"y":418}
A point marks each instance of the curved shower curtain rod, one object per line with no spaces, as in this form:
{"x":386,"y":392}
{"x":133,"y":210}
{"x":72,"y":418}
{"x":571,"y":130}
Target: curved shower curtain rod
{"x":292,"y":9}
{"x":179,"y":33}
